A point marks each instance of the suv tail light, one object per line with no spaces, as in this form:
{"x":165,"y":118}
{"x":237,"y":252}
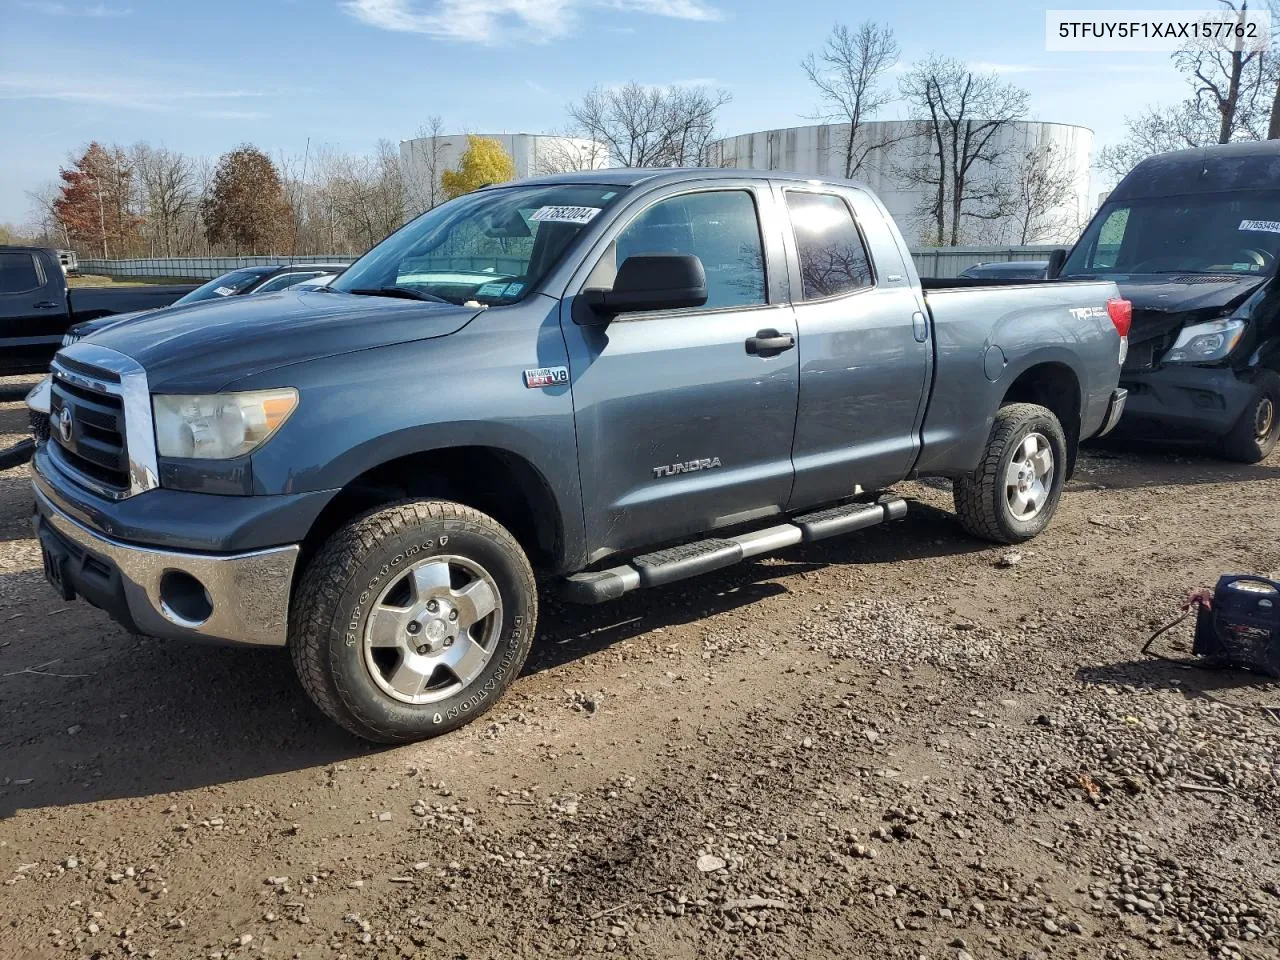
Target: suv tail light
{"x":1121,"y":313}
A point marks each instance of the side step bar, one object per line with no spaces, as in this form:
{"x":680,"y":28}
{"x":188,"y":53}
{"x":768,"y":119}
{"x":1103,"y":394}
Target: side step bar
{"x":703,"y":556}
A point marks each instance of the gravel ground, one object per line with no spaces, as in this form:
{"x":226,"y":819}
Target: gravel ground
{"x":899,"y":744}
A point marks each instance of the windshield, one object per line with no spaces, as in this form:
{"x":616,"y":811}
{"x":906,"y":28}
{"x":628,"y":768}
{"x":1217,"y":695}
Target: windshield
{"x":1233,"y":233}
{"x":227,"y":285}
{"x":492,"y":246}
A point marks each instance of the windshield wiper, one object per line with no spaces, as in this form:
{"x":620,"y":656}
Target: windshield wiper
{"x":404,"y":293}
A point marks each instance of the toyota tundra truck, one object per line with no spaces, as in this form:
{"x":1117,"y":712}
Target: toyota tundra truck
{"x":605,"y":381}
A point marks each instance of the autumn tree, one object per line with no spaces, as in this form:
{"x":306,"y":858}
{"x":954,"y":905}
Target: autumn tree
{"x":644,"y":126}
{"x":245,"y":207}
{"x":95,"y":204}
{"x":482,"y":163}
{"x":849,"y":75}
{"x":960,"y":116}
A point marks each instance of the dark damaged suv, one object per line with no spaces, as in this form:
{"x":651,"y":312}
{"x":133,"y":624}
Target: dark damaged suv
{"x":1192,"y":239}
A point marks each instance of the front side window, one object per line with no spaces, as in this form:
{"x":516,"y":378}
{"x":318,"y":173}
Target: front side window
{"x":18,"y":273}
{"x":833,"y":260}
{"x":491,"y":246}
{"x":720,"y":228}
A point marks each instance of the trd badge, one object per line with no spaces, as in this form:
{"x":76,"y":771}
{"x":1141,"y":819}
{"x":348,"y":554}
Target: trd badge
{"x":536,"y":377}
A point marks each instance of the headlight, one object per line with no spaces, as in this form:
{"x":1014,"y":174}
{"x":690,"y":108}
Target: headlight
{"x":1206,"y":342}
{"x":219,"y":426}
{"x":38,"y":398}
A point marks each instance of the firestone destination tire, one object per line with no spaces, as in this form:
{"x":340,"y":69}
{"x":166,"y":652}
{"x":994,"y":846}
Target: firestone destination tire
{"x":1014,"y":493}
{"x":413,"y":620}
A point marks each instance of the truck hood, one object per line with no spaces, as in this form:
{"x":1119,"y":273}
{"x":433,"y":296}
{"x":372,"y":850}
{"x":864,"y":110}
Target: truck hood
{"x":87,"y":327}
{"x":1164,"y":305}
{"x":205,"y":346}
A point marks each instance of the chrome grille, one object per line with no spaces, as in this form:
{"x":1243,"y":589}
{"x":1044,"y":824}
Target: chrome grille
{"x":100,"y":422}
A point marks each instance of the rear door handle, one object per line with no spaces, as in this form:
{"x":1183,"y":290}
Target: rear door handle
{"x":46,"y":305}
{"x":769,"y":343}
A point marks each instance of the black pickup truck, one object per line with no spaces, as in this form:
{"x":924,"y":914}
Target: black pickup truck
{"x":37,"y":307}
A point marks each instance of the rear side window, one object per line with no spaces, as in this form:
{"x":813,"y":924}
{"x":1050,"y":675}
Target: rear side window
{"x":833,"y":260}
{"x":18,"y":273}
{"x":720,"y":228}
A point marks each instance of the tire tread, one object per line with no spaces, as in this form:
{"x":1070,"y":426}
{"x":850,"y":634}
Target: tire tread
{"x":319,"y":596}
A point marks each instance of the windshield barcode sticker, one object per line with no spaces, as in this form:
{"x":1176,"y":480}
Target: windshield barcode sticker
{"x":1265,"y":226}
{"x":564,"y":214}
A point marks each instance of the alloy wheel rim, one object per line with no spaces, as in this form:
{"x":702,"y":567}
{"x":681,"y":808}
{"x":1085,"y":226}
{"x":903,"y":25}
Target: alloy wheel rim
{"x":433,"y":629}
{"x":1029,"y":477}
{"x":1264,"y":419}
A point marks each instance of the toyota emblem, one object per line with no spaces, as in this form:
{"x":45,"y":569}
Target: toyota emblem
{"x":64,"y":424}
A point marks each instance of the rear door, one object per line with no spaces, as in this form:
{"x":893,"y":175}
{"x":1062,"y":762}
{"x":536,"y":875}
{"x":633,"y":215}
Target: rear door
{"x":681,"y":429}
{"x":33,"y":310}
{"x":864,"y":350}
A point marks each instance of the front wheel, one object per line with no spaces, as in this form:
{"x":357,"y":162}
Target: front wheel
{"x":1014,"y":493}
{"x":1255,"y":434}
{"x":412,"y":620}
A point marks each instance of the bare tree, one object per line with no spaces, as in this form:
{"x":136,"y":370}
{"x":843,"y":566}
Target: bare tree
{"x":960,"y":115}
{"x":644,"y":126}
{"x":1229,"y":83}
{"x":1156,"y":130}
{"x":427,"y":165}
{"x":363,"y":197}
{"x":567,"y":153}
{"x":44,"y":218}
{"x":1040,"y":194}
{"x":168,"y":194}
{"x":849,"y":74}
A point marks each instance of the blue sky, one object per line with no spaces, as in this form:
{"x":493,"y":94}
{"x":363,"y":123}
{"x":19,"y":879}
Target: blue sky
{"x":203,"y":77}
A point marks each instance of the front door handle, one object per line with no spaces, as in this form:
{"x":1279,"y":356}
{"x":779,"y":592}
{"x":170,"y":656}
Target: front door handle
{"x":46,"y":305}
{"x":769,"y":343}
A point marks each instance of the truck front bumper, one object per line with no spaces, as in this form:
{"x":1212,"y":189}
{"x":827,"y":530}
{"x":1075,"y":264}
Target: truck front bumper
{"x":1179,"y":402}
{"x":235,"y":598}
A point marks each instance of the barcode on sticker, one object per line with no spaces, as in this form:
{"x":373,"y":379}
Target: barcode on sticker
{"x":1265,"y":226}
{"x":564,"y":214}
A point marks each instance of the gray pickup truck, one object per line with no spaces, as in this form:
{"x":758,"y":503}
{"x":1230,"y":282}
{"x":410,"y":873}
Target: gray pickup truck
{"x":616,"y":379}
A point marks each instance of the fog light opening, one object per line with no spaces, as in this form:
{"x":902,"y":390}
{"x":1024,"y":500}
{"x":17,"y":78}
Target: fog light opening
{"x":184,"y":599}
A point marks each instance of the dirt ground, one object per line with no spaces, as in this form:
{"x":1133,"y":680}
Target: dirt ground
{"x":897,"y":744}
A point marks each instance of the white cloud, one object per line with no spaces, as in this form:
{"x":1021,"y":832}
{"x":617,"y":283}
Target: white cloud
{"x":493,"y":22}
{"x":122,"y":93}
{"x":76,"y":10}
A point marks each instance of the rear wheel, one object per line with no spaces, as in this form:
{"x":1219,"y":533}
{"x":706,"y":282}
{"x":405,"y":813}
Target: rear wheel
{"x":1255,"y":434}
{"x":1014,"y":493}
{"x":413,"y":620}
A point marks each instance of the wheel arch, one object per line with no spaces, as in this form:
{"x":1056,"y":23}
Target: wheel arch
{"x":497,"y":481}
{"x":1055,"y":385}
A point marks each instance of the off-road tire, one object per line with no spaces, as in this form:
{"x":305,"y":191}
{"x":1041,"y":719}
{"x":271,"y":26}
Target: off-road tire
{"x":981,"y":500}
{"x":1244,"y":444}
{"x":336,"y":593}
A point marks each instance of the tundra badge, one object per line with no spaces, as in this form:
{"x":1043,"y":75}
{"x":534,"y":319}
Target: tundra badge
{"x":536,"y":377}
{"x":689,"y":466}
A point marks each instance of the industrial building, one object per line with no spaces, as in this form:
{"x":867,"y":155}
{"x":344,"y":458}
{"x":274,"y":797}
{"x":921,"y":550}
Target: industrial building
{"x":819,"y":150}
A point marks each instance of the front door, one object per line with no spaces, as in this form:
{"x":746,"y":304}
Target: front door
{"x":33,"y":314}
{"x":681,"y":427}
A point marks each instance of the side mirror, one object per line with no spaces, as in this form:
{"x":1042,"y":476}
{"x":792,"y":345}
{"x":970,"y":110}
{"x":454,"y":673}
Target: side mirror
{"x":1056,"y":259}
{"x":652,"y":281}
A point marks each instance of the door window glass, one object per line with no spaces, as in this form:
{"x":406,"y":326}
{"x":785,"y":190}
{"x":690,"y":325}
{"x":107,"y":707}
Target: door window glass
{"x":833,"y":260}
{"x":720,"y":228}
{"x":18,"y":273}
{"x":283,"y":281}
